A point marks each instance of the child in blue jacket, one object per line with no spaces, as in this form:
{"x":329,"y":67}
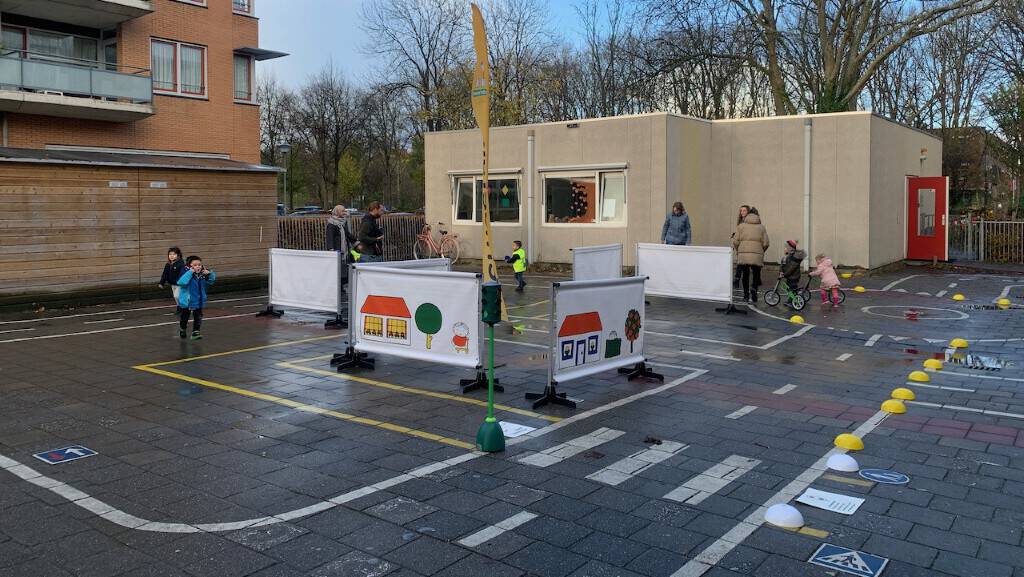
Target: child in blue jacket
{"x":192,"y":297}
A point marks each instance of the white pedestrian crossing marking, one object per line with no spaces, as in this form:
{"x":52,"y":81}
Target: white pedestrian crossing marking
{"x":740,"y":412}
{"x":487,"y":533}
{"x":871,"y":342}
{"x":844,"y":356}
{"x":631,"y":466}
{"x":706,"y":484}
{"x":572,"y":447}
{"x":850,"y":560}
{"x":783,"y":389}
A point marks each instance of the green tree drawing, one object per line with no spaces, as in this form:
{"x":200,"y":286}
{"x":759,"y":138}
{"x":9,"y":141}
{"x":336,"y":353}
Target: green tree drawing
{"x":428,"y":320}
{"x":632,"y":327}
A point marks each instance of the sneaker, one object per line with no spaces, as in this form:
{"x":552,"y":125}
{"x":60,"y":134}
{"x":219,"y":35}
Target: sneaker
{"x":181,"y":333}
{"x":196,"y":336}
{"x":753,"y":298}
{"x":519,"y":289}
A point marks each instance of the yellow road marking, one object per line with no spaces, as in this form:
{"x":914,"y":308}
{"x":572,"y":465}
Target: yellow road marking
{"x":405,"y":389}
{"x":848,"y":480}
{"x":809,"y":531}
{"x":306,"y":407}
{"x":529,"y":305}
{"x":247,"y":350}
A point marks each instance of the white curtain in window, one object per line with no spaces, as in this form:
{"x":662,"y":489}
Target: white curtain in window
{"x":163,"y":66}
{"x":49,"y":44}
{"x":13,"y":41}
{"x":613,"y":202}
{"x":85,"y":48}
{"x":242,"y":78}
{"x":192,"y":70}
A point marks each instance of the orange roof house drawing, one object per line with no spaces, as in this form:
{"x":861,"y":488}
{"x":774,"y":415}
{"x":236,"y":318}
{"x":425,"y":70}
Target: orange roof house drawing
{"x":579,"y":339}
{"x":385,"y":319}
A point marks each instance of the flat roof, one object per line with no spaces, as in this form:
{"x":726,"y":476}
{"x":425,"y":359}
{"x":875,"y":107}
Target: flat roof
{"x":129,"y":159}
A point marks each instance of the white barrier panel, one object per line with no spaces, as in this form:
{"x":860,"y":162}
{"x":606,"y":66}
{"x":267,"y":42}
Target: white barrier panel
{"x":597,"y":262}
{"x":599,"y":326}
{"x":306,"y":279}
{"x":430,"y":316}
{"x":691,"y":272}
{"x":442,"y":264}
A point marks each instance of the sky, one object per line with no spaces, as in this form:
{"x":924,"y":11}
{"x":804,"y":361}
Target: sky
{"x":315,"y":32}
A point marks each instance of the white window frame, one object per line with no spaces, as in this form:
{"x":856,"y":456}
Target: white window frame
{"x":193,"y":2}
{"x":598,"y":211}
{"x":177,"y":69}
{"x":252,"y":8}
{"x":252,"y":79}
{"x":455,"y":178}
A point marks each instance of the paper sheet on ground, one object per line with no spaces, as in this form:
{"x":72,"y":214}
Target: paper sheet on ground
{"x":513,"y":430}
{"x":830,"y":501}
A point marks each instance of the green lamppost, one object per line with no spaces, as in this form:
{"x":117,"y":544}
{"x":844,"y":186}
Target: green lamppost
{"x":490,"y":438}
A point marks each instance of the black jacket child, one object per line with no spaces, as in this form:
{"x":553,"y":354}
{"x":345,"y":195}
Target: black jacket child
{"x":791,"y":267}
{"x":172,"y":272}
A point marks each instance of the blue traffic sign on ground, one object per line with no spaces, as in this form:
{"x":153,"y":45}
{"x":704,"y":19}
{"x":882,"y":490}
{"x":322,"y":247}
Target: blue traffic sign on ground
{"x":848,"y":560}
{"x":885,"y":477}
{"x":64,"y":455}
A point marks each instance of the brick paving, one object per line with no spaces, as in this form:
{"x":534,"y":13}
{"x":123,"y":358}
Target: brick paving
{"x":242,"y":436}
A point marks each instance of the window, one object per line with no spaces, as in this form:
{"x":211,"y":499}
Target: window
{"x":926,"y":212}
{"x":243,"y":77}
{"x":196,"y":2}
{"x":13,"y":41}
{"x":373,"y":326}
{"x":178,"y":68}
{"x":241,"y":6}
{"x":397,"y":329}
{"x":585,"y":198}
{"x":503,"y":199}
{"x":47,"y":45}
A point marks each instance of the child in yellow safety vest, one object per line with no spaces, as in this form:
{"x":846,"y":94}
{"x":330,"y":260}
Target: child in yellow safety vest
{"x":356,"y":251}
{"x":518,"y":261}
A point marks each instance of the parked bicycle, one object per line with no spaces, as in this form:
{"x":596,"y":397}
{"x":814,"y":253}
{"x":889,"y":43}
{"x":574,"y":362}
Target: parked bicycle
{"x":447,"y":246}
{"x":773,"y":296}
{"x":805,"y":291}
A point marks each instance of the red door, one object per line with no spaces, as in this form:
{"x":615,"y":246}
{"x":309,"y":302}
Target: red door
{"x":927,"y":206}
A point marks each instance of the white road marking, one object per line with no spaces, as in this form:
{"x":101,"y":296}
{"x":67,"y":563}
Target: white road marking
{"x":570,"y":448}
{"x":117,"y":312}
{"x":967,"y":409}
{"x":628,"y":467}
{"x":714,"y":553}
{"x":783,"y":389}
{"x":923,"y":294}
{"x":16,"y":331}
{"x":871,"y":342}
{"x":843,"y":357}
{"x":941,"y":293}
{"x":988,"y":377}
{"x":952,"y":285}
{"x":898,"y":339}
{"x":248,"y":306}
{"x":97,"y":331}
{"x":1006,"y":291}
{"x":103,"y":321}
{"x":700,"y":487}
{"x":896,"y":282}
{"x":740,"y":412}
{"x":487,"y":533}
{"x":927,"y":386}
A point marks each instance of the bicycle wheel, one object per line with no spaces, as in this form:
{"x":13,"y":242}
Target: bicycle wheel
{"x":450,"y":249}
{"x":806,"y":293}
{"x":798,"y":302}
{"x":842,"y":297}
{"x":771,"y":298}
{"x":422,"y":249}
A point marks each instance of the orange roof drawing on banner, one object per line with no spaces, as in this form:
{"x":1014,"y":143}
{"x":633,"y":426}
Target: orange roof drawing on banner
{"x":386,"y":306}
{"x":580,"y":324}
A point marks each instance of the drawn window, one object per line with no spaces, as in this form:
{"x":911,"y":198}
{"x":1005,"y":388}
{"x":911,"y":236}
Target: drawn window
{"x":567,"y":350}
{"x":397,"y":329}
{"x":592,"y":345}
{"x":373,"y":326}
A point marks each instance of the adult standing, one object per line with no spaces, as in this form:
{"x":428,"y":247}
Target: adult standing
{"x":750,"y":242}
{"x":743,"y":212}
{"x":371,"y":235}
{"x":676,"y":229}
{"x":339,"y":237}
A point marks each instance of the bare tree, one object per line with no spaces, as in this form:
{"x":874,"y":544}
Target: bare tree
{"x":275,"y":106}
{"x":519,"y":45}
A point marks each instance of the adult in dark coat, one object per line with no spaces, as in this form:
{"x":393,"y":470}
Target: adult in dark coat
{"x":371,"y":235}
{"x":339,"y":237}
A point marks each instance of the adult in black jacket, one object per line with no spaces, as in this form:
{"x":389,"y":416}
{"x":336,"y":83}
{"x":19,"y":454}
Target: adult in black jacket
{"x":339,"y":237}
{"x":371,"y":234}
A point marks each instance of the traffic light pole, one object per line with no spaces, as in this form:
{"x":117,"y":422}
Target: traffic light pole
{"x":490,"y":438}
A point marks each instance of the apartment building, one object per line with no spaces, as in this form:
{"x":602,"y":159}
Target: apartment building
{"x":129,"y":126}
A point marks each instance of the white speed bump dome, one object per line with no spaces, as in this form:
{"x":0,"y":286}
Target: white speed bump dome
{"x":784,"y":515}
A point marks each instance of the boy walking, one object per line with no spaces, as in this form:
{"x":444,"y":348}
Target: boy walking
{"x":192,"y":297}
{"x":518,"y":262}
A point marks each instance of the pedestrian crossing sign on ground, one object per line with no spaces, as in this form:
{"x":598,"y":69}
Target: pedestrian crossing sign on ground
{"x":848,"y":560}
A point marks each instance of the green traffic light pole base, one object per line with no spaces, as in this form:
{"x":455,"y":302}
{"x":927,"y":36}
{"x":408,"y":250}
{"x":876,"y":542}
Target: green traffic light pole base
{"x":490,"y":438}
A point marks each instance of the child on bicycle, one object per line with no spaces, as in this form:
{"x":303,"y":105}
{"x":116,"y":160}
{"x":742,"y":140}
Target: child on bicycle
{"x":829,"y":279}
{"x":790,"y":266}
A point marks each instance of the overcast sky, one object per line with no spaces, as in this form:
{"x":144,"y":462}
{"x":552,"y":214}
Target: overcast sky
{"x":313,"y":32}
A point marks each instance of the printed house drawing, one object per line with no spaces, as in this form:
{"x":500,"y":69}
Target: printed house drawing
{"x":385,"y":319}
{"x":580,"y":340}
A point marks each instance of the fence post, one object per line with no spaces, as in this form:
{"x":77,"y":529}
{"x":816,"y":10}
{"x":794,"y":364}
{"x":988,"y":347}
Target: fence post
{"x":981,"y":239}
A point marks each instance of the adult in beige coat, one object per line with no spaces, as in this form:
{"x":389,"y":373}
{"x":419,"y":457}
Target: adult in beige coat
{"x":750,"y":242}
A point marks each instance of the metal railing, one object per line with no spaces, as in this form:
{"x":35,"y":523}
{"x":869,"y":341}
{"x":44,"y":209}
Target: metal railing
{"x":25,"y":70}
{"x":310,"y":233}
{"x":993,"y":241}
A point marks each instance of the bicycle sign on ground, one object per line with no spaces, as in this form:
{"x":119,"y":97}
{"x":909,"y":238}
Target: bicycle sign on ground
{"x":884,"y":477}
{"x":64,"y":455}
{"x":848,"y":560}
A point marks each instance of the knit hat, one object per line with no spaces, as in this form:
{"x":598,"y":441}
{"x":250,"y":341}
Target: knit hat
{"x":792,"y":244}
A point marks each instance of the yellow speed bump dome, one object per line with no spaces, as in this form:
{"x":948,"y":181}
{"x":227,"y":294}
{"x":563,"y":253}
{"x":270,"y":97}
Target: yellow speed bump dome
{"x":934,"y":364}
{"x":847,"y":275}
{"x":796,"y":319}
{"x":1004,"y":303}
{"x":903,"y":394}
{"x":858,"y":289}
{"x":894,"y":406}
{"x":919,"y":377}
{"x":959,"y":297}
{"x":849,"y":442}
{"x":958,"y":343}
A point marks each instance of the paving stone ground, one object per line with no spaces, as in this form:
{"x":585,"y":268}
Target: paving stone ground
{"x":249,"y":434}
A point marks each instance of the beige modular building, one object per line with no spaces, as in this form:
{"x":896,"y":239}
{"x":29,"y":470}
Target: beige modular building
{"x":611,"y":180}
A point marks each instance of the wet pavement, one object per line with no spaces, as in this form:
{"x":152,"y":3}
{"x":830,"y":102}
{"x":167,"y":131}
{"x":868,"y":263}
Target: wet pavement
{"x":246,"y":453}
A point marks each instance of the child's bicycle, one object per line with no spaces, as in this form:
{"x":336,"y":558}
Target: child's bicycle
{"x":445,"y":247}
{"x":805,"y":291}
{"x":774,"y":296}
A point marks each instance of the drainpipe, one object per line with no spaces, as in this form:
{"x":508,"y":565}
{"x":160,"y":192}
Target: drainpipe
{"x":807,"y":191}
{"x":530,"y":144}
{"x":4,"y":116}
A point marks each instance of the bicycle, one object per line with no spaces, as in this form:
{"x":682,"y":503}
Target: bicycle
{"x":805,"y":291}
{"x":447,"y":246}
{"x":773,"y":297}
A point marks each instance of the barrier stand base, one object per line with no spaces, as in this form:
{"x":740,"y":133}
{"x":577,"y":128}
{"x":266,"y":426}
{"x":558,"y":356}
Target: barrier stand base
{"x":352,"y":359}
{"x":479,"y":382}
{"x":270,"y":311}
{"x":731,"y":310}
{"x":641,"y":371}
{"x":550,"y":396}
{"x":335,"y":324}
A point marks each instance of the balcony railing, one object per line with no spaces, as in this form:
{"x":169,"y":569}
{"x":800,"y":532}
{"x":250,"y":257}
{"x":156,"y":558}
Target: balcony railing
{"x":32,"y":71}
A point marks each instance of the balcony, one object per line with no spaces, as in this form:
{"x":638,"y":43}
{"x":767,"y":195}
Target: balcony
{"x":33,"y":83}
{"x":91,"y":13}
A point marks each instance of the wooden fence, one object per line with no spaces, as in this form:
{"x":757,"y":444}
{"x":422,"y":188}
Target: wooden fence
{"x":310,"y":233}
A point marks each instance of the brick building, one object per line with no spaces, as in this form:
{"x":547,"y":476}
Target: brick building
{"x":129,"y":126}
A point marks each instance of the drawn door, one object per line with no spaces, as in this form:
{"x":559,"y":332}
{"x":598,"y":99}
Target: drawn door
{"x":927,"y":214}
{"x":581,"y":352}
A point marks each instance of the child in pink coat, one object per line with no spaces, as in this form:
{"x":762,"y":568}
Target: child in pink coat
{"x":829,"y":279}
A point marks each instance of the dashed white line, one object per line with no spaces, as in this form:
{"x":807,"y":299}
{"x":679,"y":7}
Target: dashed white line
{"x":487,"y":533}
{"x":927,"y":386}
{"x":941,"y":293}
{"x":16,"y":331}
{"x":871,"y":341}
{"x":120,"y":311}
{"x":572,"y":447}
{"x":626,"y":468}
{"x":740,"y":412}
{"x":844,"y":356}
{"x":115,"y":329}
{"x":117,"y":320}
{"x":896,"y":282}
{"x":700,"y":487}
{"x":783,"y":389}
{"x":967,"y":409}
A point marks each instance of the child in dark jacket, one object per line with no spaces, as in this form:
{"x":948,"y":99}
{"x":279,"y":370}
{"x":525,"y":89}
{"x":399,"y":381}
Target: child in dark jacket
{"x":172,"y":272}
{"x":791,"y":264}
{"x":192,"y":297}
